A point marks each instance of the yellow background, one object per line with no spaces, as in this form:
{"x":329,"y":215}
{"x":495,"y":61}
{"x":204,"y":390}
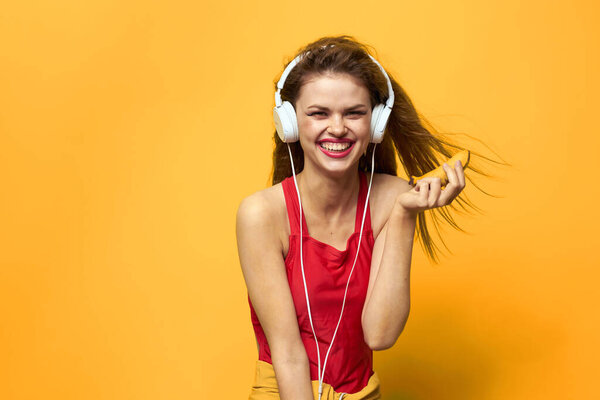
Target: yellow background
{"x":130,"y":131}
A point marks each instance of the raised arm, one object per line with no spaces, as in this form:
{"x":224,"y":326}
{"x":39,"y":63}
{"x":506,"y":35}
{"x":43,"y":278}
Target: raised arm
{"x":388,"y":298}
{"x":387,"y":304}
{"x":260,"y":253}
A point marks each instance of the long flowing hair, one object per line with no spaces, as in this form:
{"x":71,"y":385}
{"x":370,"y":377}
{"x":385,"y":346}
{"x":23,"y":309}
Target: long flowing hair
{"x":409,"y":138}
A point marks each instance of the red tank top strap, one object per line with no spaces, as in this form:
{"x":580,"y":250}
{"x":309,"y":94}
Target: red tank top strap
{"x":362,"y":197}
{"x":293,"y":207}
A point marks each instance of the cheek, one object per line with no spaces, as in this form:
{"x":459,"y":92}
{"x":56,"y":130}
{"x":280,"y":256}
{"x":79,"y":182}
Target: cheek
{"x":311,"y":126}
{"x":361,"y":126}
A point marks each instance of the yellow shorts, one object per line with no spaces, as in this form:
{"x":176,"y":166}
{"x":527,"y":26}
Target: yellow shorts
{"x":265,"y":387}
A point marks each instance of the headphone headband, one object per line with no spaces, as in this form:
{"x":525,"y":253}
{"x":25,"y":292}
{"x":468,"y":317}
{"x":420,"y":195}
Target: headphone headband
{"x":389,"y":102}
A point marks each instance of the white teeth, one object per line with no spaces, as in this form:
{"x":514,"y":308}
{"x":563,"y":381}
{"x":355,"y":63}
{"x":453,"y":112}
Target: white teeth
{"x":330,"y":146}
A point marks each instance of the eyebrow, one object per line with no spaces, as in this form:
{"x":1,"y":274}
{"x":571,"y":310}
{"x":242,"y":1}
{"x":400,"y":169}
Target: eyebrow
{"x":326,"y":108}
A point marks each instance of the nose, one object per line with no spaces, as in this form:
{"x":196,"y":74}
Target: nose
{"x":336,"y":126}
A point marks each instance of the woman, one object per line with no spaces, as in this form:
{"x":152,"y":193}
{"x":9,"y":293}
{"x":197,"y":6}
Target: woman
{"x":326,"y":250}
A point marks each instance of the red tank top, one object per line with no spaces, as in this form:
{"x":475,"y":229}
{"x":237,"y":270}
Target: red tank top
{"x":350,"y":361}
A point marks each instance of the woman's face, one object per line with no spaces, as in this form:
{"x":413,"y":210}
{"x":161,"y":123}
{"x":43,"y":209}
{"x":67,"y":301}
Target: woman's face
{"x":334,"y":117}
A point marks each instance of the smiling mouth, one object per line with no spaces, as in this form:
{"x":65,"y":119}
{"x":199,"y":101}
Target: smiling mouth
{"x":336,"y":146}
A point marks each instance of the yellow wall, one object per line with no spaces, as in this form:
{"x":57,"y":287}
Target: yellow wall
{"x":130,"y":131}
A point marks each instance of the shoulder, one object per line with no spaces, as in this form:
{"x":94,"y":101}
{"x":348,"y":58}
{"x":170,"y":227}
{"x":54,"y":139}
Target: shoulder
{"x":263,"y":214}
{"x":261,"y":206}
{"x":390,"y":185}
{"x":384,"y":191}
{"x":387,"y":187}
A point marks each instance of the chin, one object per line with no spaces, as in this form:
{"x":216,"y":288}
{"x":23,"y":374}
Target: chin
{"x":338,"y":167}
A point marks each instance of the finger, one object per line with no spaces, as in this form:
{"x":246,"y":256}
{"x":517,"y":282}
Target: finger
{"x":451,"y":174}
{"x":420,"y":185}
{"x":452,"y":188}
{"x":434,"y":185}
{"x":423,"y":193}
{"x":460,"y":173}
{"x":435,"y":188}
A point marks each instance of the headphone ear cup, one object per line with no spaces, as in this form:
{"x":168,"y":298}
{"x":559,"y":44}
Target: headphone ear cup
{"x":379,"y":118}
{"x":285,"y":122}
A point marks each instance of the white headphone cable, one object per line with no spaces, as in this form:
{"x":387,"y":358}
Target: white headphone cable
{"x":322,"y":375}
{"x":302,"y":267}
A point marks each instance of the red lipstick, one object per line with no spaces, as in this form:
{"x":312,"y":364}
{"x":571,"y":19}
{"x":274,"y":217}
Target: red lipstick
{"x":336,"y":153}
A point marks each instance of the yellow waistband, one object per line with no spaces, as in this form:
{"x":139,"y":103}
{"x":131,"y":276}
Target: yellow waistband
{"x":265,"y":387}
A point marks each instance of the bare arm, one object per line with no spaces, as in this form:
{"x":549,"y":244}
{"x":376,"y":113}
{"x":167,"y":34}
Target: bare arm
{"x":387,"y":304}
{"x":263,"y":267}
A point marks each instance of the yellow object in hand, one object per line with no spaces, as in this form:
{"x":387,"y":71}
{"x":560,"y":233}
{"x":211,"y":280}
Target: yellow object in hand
{"x":464,"y":157}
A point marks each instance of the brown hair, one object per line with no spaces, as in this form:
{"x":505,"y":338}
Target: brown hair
{"x":408,"y":136}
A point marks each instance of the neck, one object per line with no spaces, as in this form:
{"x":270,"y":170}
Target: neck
{"x":327,"y":196}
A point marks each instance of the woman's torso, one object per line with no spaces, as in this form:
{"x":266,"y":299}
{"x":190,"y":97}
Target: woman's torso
{"x":327,"y":269}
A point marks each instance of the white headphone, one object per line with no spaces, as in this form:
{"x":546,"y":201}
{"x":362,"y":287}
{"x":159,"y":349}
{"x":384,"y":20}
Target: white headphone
{"x":285,"y":115}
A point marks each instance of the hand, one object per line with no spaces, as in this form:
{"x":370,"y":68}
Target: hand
{"x":428,"y":193}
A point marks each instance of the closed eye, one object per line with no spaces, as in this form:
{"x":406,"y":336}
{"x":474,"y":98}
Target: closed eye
{"x":350,"y":112}
{"x":356,"y":114}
